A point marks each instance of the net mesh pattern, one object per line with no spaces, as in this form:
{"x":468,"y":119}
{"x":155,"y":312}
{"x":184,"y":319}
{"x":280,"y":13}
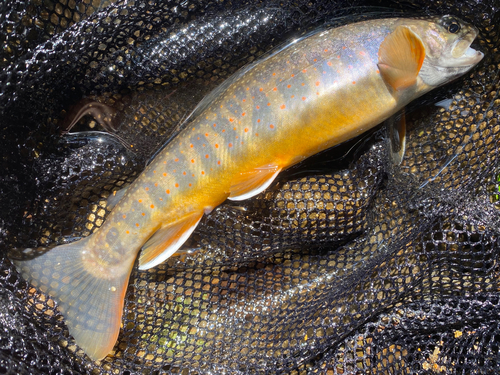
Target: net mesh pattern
{"x":347,"y":264}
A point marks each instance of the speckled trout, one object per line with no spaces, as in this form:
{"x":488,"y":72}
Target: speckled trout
{"x":312,"y":94}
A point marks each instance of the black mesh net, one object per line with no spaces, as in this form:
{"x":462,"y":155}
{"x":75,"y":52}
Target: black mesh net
{"x":347,"y":264}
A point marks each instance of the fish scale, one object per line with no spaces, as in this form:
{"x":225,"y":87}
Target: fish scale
{"x":313,"y":94}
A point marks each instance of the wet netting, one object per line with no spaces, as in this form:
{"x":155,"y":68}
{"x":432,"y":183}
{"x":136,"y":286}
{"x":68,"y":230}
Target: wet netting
{"x":347,"y":264}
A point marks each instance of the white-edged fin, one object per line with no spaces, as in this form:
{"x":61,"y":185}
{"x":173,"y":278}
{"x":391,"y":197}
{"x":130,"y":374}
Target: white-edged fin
{"x":396,"y":128}
{"x":167,"y":240}
{"x":400,"y":57}
{"x":115,"y":197}
{"x":249,"y":184}
{"x":90,"y":301}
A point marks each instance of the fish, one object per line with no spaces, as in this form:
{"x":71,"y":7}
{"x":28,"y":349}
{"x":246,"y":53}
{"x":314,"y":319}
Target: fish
{"x":316,"y":92}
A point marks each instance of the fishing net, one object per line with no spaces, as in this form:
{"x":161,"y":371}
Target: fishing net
{"x":347,"y":264}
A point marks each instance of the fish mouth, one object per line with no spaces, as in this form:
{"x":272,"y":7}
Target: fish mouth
{"x":462,"y":52}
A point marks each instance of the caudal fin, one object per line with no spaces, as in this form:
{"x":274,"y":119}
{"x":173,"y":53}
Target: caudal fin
{"x":91,"y":304}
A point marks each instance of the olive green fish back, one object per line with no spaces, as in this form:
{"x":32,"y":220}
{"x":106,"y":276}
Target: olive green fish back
{"x":346,"y":264}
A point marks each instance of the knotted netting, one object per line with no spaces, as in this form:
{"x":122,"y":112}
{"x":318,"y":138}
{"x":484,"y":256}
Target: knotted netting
{"x":347,"y":264}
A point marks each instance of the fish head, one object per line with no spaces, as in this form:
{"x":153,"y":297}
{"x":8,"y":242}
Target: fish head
{"x":448,"y":54}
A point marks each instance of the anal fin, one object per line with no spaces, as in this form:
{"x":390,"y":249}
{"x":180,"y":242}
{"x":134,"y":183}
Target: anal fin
{"x":167,"y":240}
{"x":249,"y":184}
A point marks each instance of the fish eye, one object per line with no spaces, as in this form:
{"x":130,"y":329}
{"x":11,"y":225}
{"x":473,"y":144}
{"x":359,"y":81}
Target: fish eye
{"x":454,"y":27}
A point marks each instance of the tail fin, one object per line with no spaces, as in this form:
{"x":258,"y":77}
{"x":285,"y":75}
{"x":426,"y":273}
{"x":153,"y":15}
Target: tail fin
{"x":92,"y":306}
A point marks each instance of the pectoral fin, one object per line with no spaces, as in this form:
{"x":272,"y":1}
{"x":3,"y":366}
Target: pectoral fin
{"x":396,"y":127}
{"x":400,"y":57}
{"x":167,"y":240}
{"x":249,"y":184}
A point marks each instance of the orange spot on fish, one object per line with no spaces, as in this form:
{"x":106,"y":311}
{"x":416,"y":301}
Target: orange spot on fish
{"x":326,"y":50}
{"x":143,"y":214}
{"x":140,"y":201}
{"x":268,"y":104}
{"x":167,"y":191}
{"x":293,"y":96}
{"x":127,"y":232}
{"x":248,"y":88}
{"x":206,"y":156}
{"x":338,"y":56}
{"x":156,"y":184}
{"x":304,"y":70}
{"x":230,"y":119}
{"x":303,"y":98}
{"x":152,"y":206}
{"x":230,"y":145}
{"x":191,"y":146}
{"x":303,"y":84}
{"x":317,"y":83}
{"x":203,"y":144}
{"x":246,"y":130}
{"x":184,"y":173}
{"x":154,"y":171}
{"x":258,"y":120}
{"x":244,"y":100}
{"x":192,"y":160}
{"x":216,"y":145}
{"x":315,"y":60}
{"x":234,"y":128}
{"x":177,"y":159}
{"x":344,"y":47}
{"x":282,"y":106}
{"x":189,"y":184}
{"x":215,"y":125}
{"x":202,"y":172}
{"x":257,"y":107}
{"x":146,"y":188}
{"x":206,"y":134}
{"x":378,"y":71}
{"x":271,"y":126}
{"x":124,"y":216}
{"x":256,"y":134}
{"x":275,"y":89}
{"x":176,"y":185}
{"x":218,"y":162}
{"x":353,"y":82}
{"x":289,"y":86}
{"x":223,"y":130}
{"x":243,"y":114}
{"x":261,"y":89}
{"x":293,"y":75}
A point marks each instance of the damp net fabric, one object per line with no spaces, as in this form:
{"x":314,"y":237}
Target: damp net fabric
{"x":347,"y":264}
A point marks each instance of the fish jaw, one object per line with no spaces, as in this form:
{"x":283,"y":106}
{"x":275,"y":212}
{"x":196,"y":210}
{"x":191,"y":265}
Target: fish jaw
{"x":447,"y":42}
